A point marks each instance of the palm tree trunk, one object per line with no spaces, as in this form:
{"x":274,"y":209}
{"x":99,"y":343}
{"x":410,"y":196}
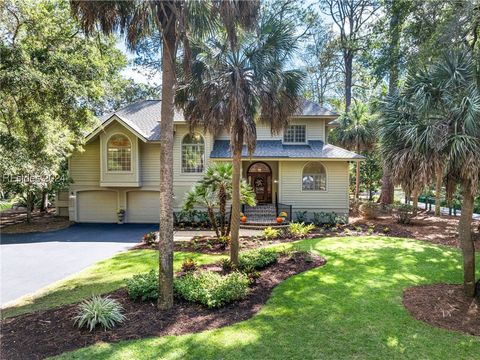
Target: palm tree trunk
{"x":165,"y":244}
{"x":211,"y":216}
{"x":223,"y":203}
{"x":235,"y":217}
{"x":415,"y":202}
{"x":438,"y":190}
{"x":466,"y":242}
{"x":387,"y":191}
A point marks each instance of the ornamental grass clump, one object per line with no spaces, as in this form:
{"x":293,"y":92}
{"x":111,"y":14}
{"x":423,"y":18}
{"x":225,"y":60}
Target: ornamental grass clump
{"x":211,"y":289}
{"x":105,"y":312}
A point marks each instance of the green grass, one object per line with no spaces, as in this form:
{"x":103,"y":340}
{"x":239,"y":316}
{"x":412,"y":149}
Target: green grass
{"x":6,"y":205}
{"x":349,"y":309}
{"x":103,"y":277}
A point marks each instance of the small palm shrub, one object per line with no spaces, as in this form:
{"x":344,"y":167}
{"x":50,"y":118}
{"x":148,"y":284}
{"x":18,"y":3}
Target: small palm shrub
{"x":270,"y":233}
{"x":300,"y":229}
{"x":102,"y":311}
{"x":227,"y":265}
{"x":143,"y":286}
{"x":223,"y":241}
{"x":369,"y":210}
{"x":257,"y":259}
{"x":189,"y":265}
{"x":301,"y":216}
{"x":212,"y":289}
{"x":404,"y":213}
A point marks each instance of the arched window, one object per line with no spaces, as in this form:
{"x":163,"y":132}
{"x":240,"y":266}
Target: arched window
{"x":193,"y":153}
{"x":314,"y":177}
{"x":119,"y":153}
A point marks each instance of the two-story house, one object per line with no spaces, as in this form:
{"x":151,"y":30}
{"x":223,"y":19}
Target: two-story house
{"x":119,"y":167}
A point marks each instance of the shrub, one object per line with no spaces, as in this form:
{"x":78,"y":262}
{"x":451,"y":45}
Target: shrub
{"x":143,"y":286}
{"x":223,"y":241}
{"x":227,"y":265}
{"x":189,"y":265}
{"x":300,"y":229}
{"x":270,"y":233}
{"x":369,"y":210}
{"x":404,"y":213}
{"x":301,"y":216}
{"x":150,"y":238}
{"x":257,"y":259}
{"x":252,"y":275}
{"x":105,"y":312}
{"x":212,"y":289}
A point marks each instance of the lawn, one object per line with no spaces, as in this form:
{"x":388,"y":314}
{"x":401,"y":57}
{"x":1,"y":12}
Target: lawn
{"x":350,"y":308}
{"x":105,"y":276}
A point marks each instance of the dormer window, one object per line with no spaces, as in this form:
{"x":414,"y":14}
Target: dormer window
{"x":119,"y":153}
{"x":295,"y":134}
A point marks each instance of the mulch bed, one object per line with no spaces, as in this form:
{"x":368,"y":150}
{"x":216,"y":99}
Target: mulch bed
{"x":15,"y":222}
{"x":51,"y":332}
{"x":444,"y":306}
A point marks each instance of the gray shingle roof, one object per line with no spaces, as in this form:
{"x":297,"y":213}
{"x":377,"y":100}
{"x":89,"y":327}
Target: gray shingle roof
{"x":276,"y":149}
{"x":144,"y":116}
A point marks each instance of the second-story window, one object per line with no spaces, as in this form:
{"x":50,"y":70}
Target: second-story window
{"x":295,"y":134}
{"x":193,"y":153}
{"x":119,"y":153}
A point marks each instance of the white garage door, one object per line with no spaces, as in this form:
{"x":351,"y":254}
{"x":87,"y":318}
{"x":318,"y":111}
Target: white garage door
{"x":97,"y":206}
{"x":143,"y":207}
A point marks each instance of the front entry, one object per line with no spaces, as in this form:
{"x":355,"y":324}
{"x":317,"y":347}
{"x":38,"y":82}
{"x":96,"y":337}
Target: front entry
{"x":260,"y":179}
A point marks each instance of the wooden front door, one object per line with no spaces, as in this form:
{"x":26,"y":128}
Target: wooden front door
{"x":260,"y":179}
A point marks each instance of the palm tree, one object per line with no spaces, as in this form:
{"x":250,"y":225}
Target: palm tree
{"x":355,"y":132}
{"x":433,"y":125}
{"x":215,"y":190}
{"x":230,"y":83}
{"x":173,"y":20}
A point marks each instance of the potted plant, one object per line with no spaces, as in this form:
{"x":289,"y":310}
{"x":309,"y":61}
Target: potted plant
{"x":283,"y":215}
{"x":121,"y":216}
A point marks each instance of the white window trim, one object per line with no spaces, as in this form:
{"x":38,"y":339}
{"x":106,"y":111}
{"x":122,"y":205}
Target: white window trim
{"x":131,"y":155}
{"x":204,"y":156}
{"x":326,"y":179}
{"x":296,"y":143}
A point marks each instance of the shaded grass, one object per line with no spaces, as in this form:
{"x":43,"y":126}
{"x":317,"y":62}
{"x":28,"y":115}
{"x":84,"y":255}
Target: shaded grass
{"x":103,"y":277}
{"x":351,"y":308}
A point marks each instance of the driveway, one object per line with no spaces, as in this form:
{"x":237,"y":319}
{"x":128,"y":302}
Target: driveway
{"x":32,"y":261}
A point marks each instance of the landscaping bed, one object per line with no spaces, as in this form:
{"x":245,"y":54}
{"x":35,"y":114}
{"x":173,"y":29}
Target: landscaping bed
{"x":14,"y":222}
{"x":47,"y":333}
{"x":445,"y":306}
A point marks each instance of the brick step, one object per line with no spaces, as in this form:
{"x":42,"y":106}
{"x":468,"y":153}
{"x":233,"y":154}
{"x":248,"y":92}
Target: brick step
{"x":262,"y":225}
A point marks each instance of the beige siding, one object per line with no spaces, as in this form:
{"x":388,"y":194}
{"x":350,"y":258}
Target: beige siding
{"x":315,"y":130}
{"x":335,"y":198}
{"x":85,"y":166}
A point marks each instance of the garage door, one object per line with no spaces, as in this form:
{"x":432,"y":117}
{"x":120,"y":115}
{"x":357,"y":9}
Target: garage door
{"x":143,"y":207}
{"x":97,"y":206}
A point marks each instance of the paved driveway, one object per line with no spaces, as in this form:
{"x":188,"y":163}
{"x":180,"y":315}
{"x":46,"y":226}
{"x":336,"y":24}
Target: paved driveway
{"x":32,"y":261}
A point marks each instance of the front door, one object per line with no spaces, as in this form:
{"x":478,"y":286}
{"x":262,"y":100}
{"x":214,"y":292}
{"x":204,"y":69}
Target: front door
{"x":260,"y":179}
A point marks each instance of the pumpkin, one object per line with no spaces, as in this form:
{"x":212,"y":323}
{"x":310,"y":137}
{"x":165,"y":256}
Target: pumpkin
{"x":243,"y":219}
{"x":279,"y":220}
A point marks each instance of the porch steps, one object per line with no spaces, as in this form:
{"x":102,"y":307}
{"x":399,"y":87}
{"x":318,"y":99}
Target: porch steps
{"x":261,"y":216}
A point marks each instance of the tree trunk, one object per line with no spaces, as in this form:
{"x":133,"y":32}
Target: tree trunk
{"x":415,"y":202}
{"x":237,"y":144}
{"x":387,"y":191}
{"x":30,"y":206}
{"x":466,"y":242}
{"x":348,"y":60}
{"x":357,"y":177}
{"x":211,"y":216}
{"x":165,"y":244}
{"x":44,"y":205}
{"x":438,"y":191}
{"x":223,"y":203}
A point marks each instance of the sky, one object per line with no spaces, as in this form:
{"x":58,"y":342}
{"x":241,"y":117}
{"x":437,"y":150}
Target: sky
{"x":135,"y":72}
